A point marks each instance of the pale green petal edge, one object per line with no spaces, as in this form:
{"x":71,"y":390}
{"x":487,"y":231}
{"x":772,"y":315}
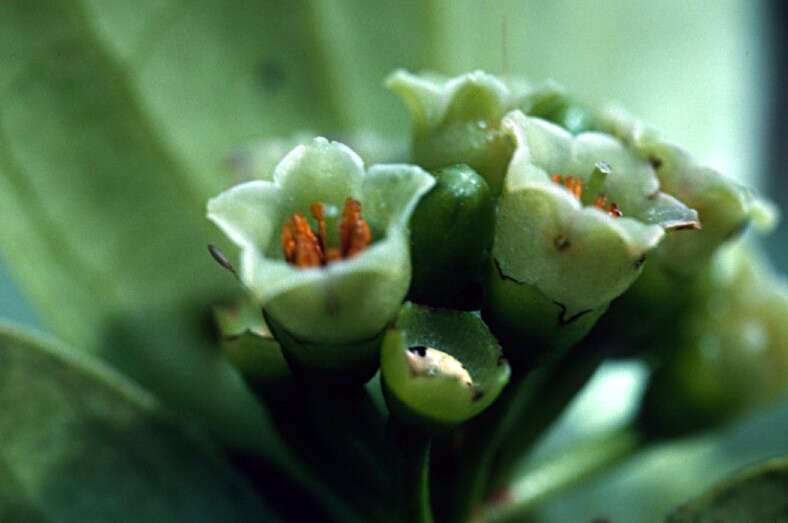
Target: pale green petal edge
{"x":632,"y":183}
{"x":725,"y":206}
{"x":431,"y":97}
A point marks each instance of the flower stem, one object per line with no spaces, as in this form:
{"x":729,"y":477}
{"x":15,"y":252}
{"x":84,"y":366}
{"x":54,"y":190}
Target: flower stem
{"x":410,"y":451}
{"x":566,"y":470}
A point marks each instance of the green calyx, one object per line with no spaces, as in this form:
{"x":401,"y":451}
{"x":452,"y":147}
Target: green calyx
{"x":249,"y":345}
{"x":440,"y":367}
{"x":451,"y":236}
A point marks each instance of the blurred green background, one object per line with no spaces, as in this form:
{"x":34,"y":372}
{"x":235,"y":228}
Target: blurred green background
{"x":203,"y":77}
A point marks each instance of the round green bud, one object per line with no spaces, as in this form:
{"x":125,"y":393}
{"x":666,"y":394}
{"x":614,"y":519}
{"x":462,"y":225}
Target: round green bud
{"x":440,"y":367}
{"x":451,"y":234}
{"x":249,"y":345}
{"x":559,"y":109}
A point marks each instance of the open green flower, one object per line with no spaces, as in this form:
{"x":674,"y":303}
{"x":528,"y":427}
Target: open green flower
{"x":724,"y":206}
{"x":560,"y":254}
{"x":344,"y":301}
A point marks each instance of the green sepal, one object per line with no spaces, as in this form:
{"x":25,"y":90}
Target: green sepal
{"x":451,"y":233}
{"x":430,"y":398}
{"x":249,"y":345}
{"x":527,"y":323}
{"x":331,"y":364}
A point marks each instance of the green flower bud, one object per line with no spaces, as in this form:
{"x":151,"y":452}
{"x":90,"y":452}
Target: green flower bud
{"x":440,"y":367}
{"x":560,"y":262}
{"x":249,"y":345}
{"x":458,"y":120}
{"x":554,"y":105}
{"x":451,"y":235}
{"x":325,"y":301}
{"x":725,"y":207}
{"x":732,"y":352}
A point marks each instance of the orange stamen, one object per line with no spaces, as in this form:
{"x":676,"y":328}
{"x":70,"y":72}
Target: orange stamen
{"x":317,"y":213}
{"x":575,"y":186}
{"x":354,"y":231}
{"x":303,"y":248}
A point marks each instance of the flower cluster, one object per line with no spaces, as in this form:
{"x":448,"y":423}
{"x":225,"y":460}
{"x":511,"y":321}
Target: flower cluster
{"x":536,"y":211}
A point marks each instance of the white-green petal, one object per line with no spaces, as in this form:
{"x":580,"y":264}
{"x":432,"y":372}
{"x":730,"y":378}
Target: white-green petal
{"x":346,"y":301}
{"x":249,"y":214}
{"x":632,"y":183}
{"x":392,"y":191}
{"x":724,"y":206}
{"x":322,"y":171}
{"x":432,"y":98}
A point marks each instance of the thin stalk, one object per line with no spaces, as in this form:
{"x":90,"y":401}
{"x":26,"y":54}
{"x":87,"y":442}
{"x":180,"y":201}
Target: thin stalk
{"x":536,"y":417}
{"x":409,"y":464}
{"x":553,"y":476}
{"x":501,"y":438}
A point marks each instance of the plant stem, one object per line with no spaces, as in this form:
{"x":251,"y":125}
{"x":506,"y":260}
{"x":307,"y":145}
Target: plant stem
{"x":410,"y":451}
{"x":501,"y":437}
{"x":555,"y":475}
{"x":558,"y":390}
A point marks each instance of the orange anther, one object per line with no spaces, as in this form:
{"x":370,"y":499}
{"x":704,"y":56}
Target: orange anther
{"x":317,"y":213}
{"x":575,"y":186}
{"x":303,"y":248}
{"x":354,"y":231}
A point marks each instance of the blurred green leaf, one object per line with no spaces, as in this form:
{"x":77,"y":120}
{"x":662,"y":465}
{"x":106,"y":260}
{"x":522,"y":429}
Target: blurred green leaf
{"x":756,"y":494}
{"x":82,"y":444}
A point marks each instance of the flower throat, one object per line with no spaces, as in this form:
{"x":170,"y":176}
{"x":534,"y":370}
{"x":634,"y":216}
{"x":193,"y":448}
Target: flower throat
{"x":304,"y":248}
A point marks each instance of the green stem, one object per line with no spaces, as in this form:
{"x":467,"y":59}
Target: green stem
{"x":339,"y":434}
{"x":500,"y":438}
{"x":564,"y":471}
{"x":410,"y":456}
{"x":557,"y":391}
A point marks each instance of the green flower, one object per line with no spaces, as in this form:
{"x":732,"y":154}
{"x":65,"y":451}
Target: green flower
{"x":725,"y":207}
{"x":560,"y":257}
{"x":349,"y":300}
